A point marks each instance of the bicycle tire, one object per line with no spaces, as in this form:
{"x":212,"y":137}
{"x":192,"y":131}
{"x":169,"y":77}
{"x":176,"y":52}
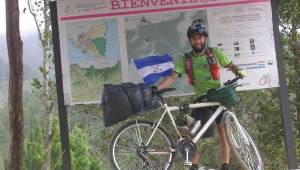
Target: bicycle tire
{"x":245,"y":149}
{"x":125,"y":147}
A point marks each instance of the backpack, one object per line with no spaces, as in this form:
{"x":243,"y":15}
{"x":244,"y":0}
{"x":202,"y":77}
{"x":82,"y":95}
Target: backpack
{"x":212,"y":61}
{"x":123,"y":100}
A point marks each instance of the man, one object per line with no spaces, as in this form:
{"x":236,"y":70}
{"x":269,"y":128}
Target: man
{"x":203,"y":78}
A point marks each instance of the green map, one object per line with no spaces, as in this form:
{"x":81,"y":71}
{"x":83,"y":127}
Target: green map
{"x":94,"y":57}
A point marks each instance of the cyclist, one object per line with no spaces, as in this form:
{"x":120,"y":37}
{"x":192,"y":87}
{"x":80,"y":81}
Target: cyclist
{"x":203,"y":74}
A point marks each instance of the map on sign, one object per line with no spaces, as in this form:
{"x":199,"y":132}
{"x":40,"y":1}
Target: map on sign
{"x":94,"y":57}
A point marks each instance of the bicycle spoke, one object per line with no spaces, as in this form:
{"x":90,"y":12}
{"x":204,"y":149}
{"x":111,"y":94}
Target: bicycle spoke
{"x":146,"y":133}
{"x":161,"y":161}
{"x":123,"y":155}
{"x":126,"y":138}
{"x":126,"y":146}
{"x":138,"y":134}
{"x":133,"y":139}
{"x":123,"y":163}
{"x":135,"y":163}
{"x":131,"y":164}
{"x":122,"y":152}
{"x":154,"y":164}
{"x":134,"y":134}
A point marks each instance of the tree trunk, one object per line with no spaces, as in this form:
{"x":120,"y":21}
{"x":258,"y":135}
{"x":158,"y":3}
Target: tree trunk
{"x":14,"y":47}
{"x":48,"y":139}
{"x":43,"y":25}
{"x":47,"y":100}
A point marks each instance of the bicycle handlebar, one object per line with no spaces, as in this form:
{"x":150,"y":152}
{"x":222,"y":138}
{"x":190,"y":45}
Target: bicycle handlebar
{"x":159,"y":92}
{"x":227,"y":83}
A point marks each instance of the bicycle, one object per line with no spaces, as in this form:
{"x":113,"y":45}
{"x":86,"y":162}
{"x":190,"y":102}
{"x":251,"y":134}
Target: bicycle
{"x":141,"y":144}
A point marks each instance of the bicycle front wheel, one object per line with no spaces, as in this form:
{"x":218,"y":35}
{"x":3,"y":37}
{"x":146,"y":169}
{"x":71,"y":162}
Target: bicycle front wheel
{"x":242,"y":144}
{"x":128,"y":148}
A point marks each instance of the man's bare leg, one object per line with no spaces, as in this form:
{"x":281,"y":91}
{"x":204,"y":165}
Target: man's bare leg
{"x":196,"y":158}
{"x":225,"y":150}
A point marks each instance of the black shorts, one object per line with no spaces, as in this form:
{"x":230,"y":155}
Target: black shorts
{"x":204,"y":114}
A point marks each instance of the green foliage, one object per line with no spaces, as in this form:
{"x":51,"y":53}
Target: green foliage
{"x":88,"y":119}
{"x":33,"y":149}
{"x":34,"y":154}
{"x":267,"y":129}
{"x":289,"y":17}
{"x":36,"y":83}
{"x":104,"y":73}
{"x":1,"y":163}
{"x":81,"y":158}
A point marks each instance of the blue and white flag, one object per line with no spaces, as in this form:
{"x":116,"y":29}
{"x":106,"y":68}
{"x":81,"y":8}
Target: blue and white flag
{"x":152,"y":68}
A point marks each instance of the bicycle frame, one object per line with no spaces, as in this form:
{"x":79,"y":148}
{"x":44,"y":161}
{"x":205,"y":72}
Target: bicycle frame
{"x":169,"y":109}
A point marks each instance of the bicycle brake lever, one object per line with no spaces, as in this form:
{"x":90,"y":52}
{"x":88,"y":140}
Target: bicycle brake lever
{"x":229,"y":82}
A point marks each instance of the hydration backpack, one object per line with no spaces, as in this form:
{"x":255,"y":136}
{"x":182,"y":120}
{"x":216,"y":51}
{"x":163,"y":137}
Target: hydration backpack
{"x":212,"y":62}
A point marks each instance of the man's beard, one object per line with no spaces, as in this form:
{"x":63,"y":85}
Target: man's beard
{"x":198,"y":50}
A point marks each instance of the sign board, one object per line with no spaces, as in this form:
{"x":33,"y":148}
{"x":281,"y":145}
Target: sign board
{"x":99,"y":39}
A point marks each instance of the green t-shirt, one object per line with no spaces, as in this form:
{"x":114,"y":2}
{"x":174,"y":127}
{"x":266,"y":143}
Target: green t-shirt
{"x":203,"y":79}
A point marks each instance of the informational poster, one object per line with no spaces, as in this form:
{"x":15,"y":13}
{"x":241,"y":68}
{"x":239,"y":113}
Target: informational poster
{"x":100,"y":38}
{"x":245,"y":33}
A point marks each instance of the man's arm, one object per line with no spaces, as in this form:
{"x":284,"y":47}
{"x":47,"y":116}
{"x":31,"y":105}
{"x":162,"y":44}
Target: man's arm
{"x":236,"y":70}
{"x":227,"y":63}
{"x":169,"y":80}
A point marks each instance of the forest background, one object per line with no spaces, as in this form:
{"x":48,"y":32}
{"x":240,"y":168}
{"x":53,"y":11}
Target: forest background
{"x":258,"y":110}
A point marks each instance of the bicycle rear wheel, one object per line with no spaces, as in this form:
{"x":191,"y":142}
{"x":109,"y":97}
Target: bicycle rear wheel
{"x":242,"y":144}
{"x":128,"y":150}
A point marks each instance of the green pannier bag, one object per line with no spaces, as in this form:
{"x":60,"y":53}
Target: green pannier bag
{"x":227,"y":96}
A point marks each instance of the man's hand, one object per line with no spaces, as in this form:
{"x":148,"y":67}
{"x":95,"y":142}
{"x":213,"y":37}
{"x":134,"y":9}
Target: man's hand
{"x":241,"y":73}
{"x":154,"y":88}
{"x":237,"y":71}
{"x":168,"y":81}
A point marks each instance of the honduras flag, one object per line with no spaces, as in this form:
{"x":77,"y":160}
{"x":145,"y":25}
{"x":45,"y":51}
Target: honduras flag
{"x":152,"y":68}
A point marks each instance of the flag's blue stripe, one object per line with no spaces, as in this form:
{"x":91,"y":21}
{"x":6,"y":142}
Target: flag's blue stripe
{"x":152,"y":60}
{"x":152,"y":78}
